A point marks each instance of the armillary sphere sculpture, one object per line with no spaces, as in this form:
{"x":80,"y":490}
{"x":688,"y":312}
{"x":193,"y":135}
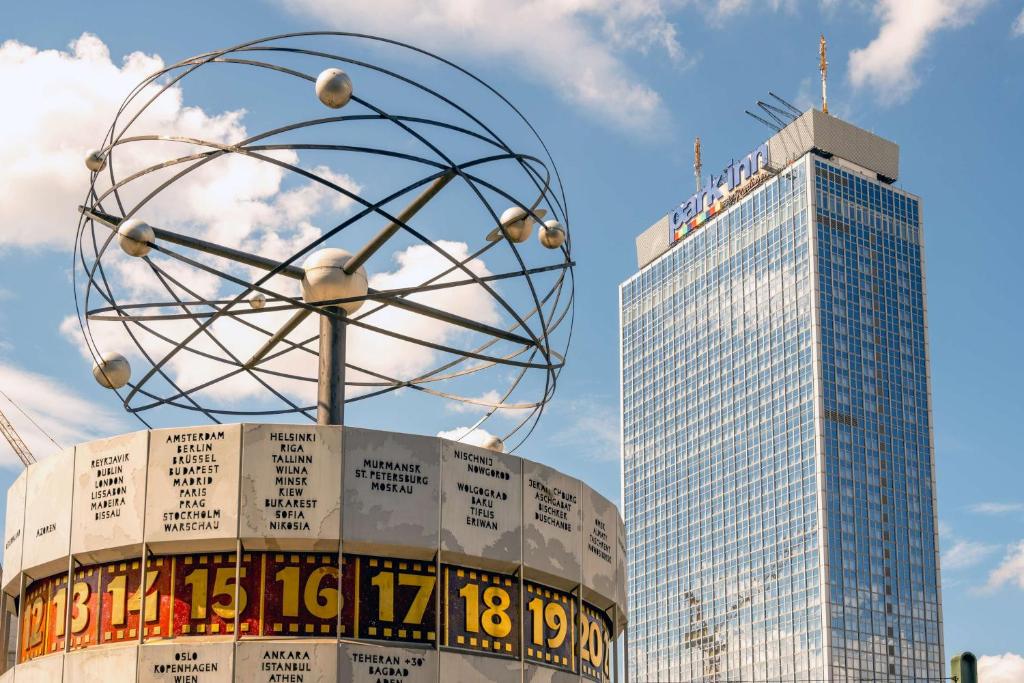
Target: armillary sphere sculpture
{"x":177,"y":313}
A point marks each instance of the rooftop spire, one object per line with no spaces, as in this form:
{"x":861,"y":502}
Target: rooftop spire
{"x":697,"y":163}
{"x":823,"y":49}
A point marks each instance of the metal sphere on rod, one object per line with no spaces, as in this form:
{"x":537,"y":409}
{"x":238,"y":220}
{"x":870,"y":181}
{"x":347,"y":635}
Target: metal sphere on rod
{"x":334,"y":88}
{"x":325,"y":279}
{"x":95,"y":161}
{"x":551,"y":234}
{"x":135,"y":237}
{"x":113,"y":371}
{"x":517,"y":223}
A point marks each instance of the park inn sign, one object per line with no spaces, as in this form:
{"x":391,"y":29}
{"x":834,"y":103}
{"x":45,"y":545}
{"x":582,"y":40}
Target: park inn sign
{"x":695,"y":211}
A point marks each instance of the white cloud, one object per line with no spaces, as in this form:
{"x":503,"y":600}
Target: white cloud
{"x":961,"y":553}
{"x":887,"y":64}
{"x":486,"y":401}
{"x":1010,"y":570}
{"x":488,"y":397}
{"x":476,"y":437}
{"x":59,"y":410}
{"x":997,"y":508}
{"x":574,"y":47}
{"x":719,"y":10}
{"x":965,"y":553}
{"x":590,"y":427}
{"x":230,"y":200}
{"x":1018,"y":25}
{"x":1004,"y":668}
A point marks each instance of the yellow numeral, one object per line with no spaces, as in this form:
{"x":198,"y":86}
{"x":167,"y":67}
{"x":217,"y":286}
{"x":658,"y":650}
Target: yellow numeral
{"x":59,"y":601}
{"x":288,"y":577}
{"x":197,"y":581}
{"x":122,"y":604}
{"x":537,"y":608}
{"x":223,"y":586}
{"x":116,"y":588}
{"x":594,"y":644}
{"x":424,"y":586}
{"x":36,"y":614}
{"x":79,"y":609}
{"x":496,"y":622}
{"x":135,"y":601}
{"x":556,"y":620}
{"x":591,"y":642}
{"x":385,"y":584}
{"x":322,"y":603}
{"x":470,"y":593}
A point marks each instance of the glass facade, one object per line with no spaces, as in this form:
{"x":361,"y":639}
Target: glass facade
{"x":883,"y":579}
{"x":777,"y":469}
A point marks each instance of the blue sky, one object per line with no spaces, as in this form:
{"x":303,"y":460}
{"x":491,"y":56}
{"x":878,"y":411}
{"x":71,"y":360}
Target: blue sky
{"x":618,"y":90}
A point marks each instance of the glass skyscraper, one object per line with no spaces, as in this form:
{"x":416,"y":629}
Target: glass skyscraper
{"x":777,"y":454}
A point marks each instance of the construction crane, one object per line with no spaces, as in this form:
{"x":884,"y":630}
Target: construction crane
{"x":12,"y":436}
{"x":7,"y":429}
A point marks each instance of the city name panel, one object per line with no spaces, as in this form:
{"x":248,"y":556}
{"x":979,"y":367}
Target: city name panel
{"x":230,"y":554}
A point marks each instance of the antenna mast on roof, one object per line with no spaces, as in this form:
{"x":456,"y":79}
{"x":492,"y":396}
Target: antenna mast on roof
{"x":696,"y":162}
{"x":823,"y":47}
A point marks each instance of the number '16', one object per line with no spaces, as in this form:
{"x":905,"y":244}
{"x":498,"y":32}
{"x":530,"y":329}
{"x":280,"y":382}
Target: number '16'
{"x":322,"y":603}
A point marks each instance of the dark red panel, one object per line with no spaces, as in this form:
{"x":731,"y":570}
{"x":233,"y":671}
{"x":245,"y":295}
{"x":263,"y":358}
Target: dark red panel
{"x":204,"y":595}
{"x":300,"y":595}
{"x":85,"y":609}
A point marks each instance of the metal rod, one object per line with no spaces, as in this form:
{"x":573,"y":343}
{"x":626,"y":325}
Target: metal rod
{"x":69,"y":591}
{"x":330,"y":401}
{"x":5,"y":623}
{"x":445,"y":316}
{"x":239,"y":549}
{"x":767,"y":109}
{"x":613,"y":650}
{"x":101,"y":312}
{"x":625,"y":652}
{"x":782,"y":113}
{"x":364,"y":254}
{"x":242,"y":257}
{"x":773,"y":126}
{"x":20,"y":614}
{"x":279,"y":336}
{"x":788,"y":105}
